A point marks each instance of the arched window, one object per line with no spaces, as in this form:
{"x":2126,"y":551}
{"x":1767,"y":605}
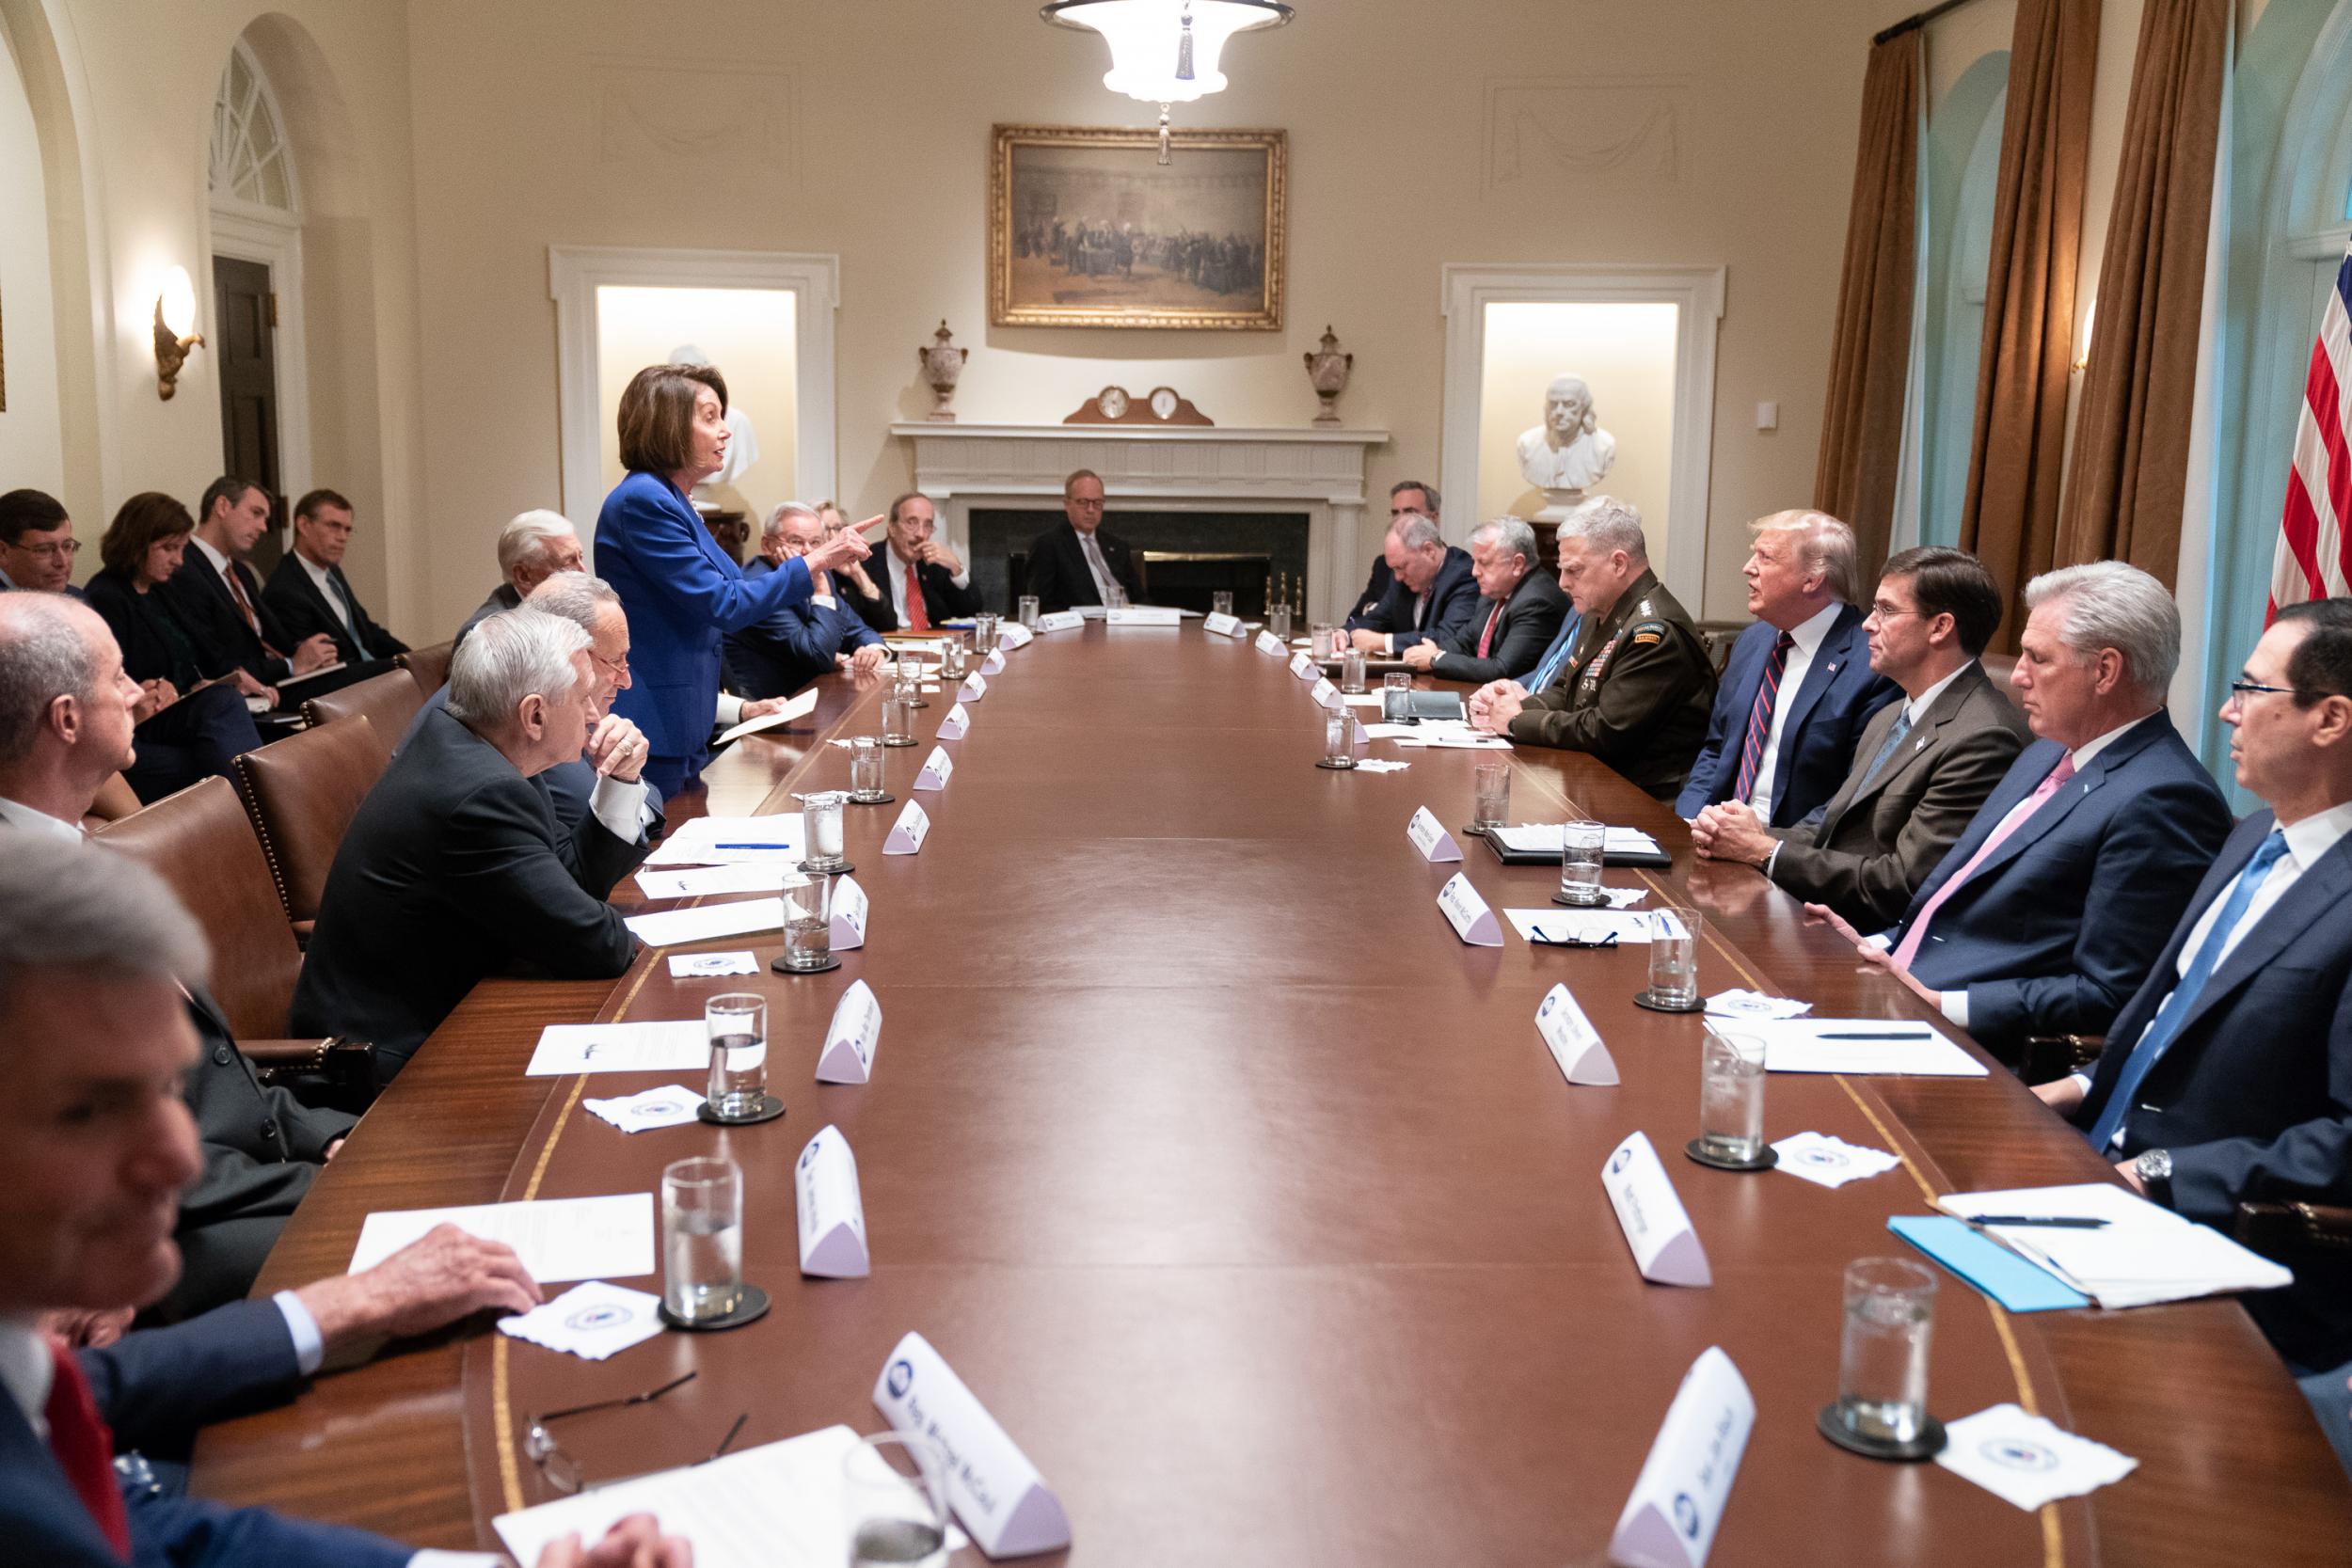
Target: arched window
{"x":251,"y":168}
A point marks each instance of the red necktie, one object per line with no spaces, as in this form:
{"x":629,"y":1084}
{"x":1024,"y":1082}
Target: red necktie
{"x":244,"y":605}
{"x":2018,"y":817}
{"x":918,"y":618}
{"x":1486,"y":637}
{"x":1761,"y":718}
{"x":85,"y":1448}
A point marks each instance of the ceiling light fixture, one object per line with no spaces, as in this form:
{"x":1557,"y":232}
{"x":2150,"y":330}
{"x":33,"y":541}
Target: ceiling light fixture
{"x":1165,"y":52}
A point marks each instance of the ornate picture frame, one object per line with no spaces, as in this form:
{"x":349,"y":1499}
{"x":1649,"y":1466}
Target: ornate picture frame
{"x":1086,"y":228}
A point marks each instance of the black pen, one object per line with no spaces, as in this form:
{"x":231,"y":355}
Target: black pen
{"x":2056,"y":1222}
{"x":1925,"y":1036}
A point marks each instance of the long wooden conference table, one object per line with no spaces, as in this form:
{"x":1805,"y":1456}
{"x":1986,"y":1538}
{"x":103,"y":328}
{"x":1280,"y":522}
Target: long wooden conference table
{"x":1248,"y":1198}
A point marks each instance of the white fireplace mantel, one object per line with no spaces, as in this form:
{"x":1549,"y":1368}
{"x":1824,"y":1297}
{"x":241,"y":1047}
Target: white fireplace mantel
{"x":1317,"y":471}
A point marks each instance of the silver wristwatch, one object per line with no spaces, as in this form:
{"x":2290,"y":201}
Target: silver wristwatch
{"x":2155,"y":1169}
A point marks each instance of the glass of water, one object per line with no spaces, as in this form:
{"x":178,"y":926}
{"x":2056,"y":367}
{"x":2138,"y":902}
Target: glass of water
{"x":1491,"y":795}
{"x":952,"y":660}
{"x":808,"y":923}
{"x":1338,"y":737}
{"x":1028,"y":612}
{"x":984,"y":634}
{"x":1352,"y":672}
{"x":1396,"y":695}
{"x":866,"y":770}
{"x":1731,"y":1095}
{"x":1883,"y":1355}
{"x":737,"y":1023}
{"x":1583,"y":845}
{"x":1674,"y":955}
{"x":897,"y":1498}
{"x":702,"y":1238}
{"x":1277,"y":620}
{"x":820,"y":811}
{"x":898,"y":718}
{"x":1221,"y":602}
{"x":1325,"y":636}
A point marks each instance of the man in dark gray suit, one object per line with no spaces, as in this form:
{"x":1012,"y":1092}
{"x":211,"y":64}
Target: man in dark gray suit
{"x":1924,"y":763}
{"x":453,"y":867}
{"x":1518,"y":613}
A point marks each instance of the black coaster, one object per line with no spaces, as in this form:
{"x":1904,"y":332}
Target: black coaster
{"x":1473,"y":831}
{"x":1643,"y":999}
{"x":751,"y":1306}
{"x":842,"y":870}
{"x":888,"y":741}
{"x":1345,"y":766}
{"x":833,"y":962}
{"x":769,"y":1109}
{"x":1566,"y":902}
{"x":1765,"y":1160}
{"x":1926,"y":1446}
{"x":882,"y":799}
{"x":918,"y":703}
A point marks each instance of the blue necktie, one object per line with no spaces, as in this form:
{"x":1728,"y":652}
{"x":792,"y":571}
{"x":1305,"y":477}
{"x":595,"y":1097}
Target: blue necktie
{"x":1557,"y":655}
{"x":1886,"y":748}
{"x":2167,"y":1022}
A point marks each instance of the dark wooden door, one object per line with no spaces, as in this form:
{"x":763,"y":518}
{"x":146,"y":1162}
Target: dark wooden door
{"x":245,"y":334}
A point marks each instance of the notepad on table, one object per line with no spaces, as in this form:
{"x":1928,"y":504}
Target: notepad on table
{"x":1860,"y":1045}
{"x":2144,"y":1253}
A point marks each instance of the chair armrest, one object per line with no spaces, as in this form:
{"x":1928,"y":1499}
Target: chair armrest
{"x":2049,"y":1057}
{"x":343,"y":1065}
{"x":2274,"y":1228}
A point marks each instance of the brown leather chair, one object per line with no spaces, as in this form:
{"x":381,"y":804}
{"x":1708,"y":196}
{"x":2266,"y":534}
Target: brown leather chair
{"x":389,"y":700}
{"x":1719,"y":636}
{"x":301,"y":793}
{"x":429,"y":665}
{"x":1999,"y":668}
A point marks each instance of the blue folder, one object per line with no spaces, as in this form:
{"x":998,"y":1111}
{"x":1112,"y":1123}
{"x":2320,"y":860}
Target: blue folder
{"x":2016,"y":1283}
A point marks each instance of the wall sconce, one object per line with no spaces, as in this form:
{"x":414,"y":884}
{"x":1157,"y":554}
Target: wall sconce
{"x":175,"y":330}
{"x":2082,"y":345}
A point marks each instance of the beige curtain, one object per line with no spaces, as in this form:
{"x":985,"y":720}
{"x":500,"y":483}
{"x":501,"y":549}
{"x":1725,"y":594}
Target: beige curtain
{"x":1862,"y":424}
{"x":2017,"y":452}
{"x":2126,"y":477}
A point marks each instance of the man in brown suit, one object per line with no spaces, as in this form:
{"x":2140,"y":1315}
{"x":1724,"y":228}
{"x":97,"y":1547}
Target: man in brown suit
{"x":1923,"y":765}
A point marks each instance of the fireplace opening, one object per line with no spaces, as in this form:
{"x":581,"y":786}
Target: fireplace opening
{"x":1183,"y":557}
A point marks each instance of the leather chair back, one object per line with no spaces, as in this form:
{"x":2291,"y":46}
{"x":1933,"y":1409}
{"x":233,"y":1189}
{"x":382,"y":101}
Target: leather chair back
{"x":302,"y":793}
{"x":200,"y":842}
{"x":429,"y":665}
{"x":389,"y":700}
{"x":1996,"y":669}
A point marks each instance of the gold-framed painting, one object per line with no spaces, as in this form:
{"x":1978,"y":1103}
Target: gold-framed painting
{"x":1086,"y":228}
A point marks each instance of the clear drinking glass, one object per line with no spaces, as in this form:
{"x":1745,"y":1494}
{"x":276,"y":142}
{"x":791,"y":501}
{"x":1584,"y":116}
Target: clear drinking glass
{"x":1117,"y":598}
{"x":1883,"y":1355}
{"x":820,"y":811}
{"x":898,"y":719}
{"x":1339,"y":737}
{"x":1027,"y":616}
{"x":1325,"y":634}
{"x":1352,"y":673}
{"x":1221,"y":602}
{"x":736,"y":1024}
{"x":702,"y":1238}
{"x":984,"y":634}
{"x":952,"y":660}
{"x":1277,"y":620}
{"x":1396,"y":695}
{"x":1491,"y":796}
{"x":897,"y":1501}
{"x":1731,"y":1095}
{"x":808,"y":923}
{"x":866,"y":769}
{"x":1582,"y":847}
{"x":1673,"y":955}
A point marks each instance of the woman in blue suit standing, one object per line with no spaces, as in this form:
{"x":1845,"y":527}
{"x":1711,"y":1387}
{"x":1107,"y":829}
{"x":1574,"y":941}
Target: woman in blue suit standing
{"x":682,"y":592}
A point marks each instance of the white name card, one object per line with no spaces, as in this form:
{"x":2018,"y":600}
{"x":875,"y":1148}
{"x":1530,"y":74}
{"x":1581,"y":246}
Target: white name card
{"x":953,"y":727}
{"x":996,"y":1493}
{"x":1012,"y":634}
{"x":1430,"y":837}
{"x":908,"y":832}
{"x":994,"y":664}
{"x":849,"y":914}
{"x":1657,"y":1226}
{"x":1269,"y":644}
{"x":1678,"y":1500}
{"x":1473,"y":922}
{"x":1061,"y":620}
{"x":833,"y":1216}
{"x":973,"y":688}
{"x":851,"y":1039}
{"x":1304,"y":668}
{"x":1575,"y":1043}
{"x":1324,"y":693}
{"x":1143,"y":615}
{"x":1222,"y":625}
{"x":935,"y":773}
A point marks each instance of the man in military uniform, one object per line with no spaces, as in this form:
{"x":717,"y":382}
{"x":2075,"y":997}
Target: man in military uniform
{"x":1638,"y":690}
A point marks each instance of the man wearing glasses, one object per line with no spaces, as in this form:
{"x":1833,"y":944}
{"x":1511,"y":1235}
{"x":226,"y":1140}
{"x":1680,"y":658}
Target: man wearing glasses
{"x":36,"y":544}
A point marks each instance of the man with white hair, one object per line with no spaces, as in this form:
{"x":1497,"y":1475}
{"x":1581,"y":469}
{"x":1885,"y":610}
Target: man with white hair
{"x":455,"y":868}
{"x":1519,"y":611}
{"x":1432,"y":592}
{"x":532,"y":546}
{"x":925,"y":584}
{"x":2046,"y":914}
{"x":778,"y":656}
{"x":1637,"y":692}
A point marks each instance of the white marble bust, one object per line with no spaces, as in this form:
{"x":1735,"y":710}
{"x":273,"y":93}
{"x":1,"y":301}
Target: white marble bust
{"x":1568,"y":452}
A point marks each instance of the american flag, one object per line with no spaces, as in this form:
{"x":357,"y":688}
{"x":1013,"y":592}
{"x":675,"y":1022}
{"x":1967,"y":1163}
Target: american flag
{"x":2314,"y":559}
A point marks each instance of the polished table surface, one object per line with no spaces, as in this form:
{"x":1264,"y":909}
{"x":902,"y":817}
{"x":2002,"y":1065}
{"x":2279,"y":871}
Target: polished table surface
{"x":1250,"y":1199}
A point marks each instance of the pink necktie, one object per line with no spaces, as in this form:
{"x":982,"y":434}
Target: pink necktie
{"x":2016,"y":818}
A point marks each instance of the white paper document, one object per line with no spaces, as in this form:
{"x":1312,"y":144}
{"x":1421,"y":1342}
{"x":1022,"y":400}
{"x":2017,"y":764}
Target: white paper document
{"x":591,"y":1320}
{"x":557,"y":1238}
{"x":706,"y":966}
{"x":1861,"y":1045}
{"x":692,"y":882}
{"x":1737,"y":1003}
{"x":2144,"y":1253}
{"x":2028,"y":1461}
{"x":795,"y":707}
{"x":1829,"y":1161}
{"x":1545,"y":838}
{"x":1379,"y":765}
{"x":668,"y":1045}
{"x":670,"y":1105}
{"x":738,"y":917}
{"x":1558,"y":924}
{"x":731,"y":841}
{"x":1460,"y":741}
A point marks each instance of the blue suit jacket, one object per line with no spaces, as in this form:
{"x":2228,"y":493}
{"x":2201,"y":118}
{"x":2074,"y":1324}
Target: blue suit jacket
{"x":1453,"y":600}
{"x":2057,"y":929}
{"x":153,"y":1389}
{"x":683,"y":595}
{"x":793,"y":646}
{"x":2253,"y":1096}
{"x":1824,"y":722}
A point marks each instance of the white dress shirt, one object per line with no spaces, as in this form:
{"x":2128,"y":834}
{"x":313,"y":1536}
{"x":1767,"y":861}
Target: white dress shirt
{"x":1805,"y":639}
{"x":24,"y":818}
{"x":329,"y":589}
{"x":897,"y":576}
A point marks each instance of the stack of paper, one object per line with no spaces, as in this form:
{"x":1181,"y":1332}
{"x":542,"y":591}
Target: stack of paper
{"x":1860,"y":1045}
{"x":2144,"y":1253}
{"x":557,"y":1238}
{"x":1545,"y":837}
{"x":732,"y":841}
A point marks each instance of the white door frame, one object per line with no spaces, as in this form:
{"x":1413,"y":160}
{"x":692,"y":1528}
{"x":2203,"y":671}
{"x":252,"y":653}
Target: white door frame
{"x":1697,"y":295}
{"x":575,"y":272}
{"x":276,"y":242}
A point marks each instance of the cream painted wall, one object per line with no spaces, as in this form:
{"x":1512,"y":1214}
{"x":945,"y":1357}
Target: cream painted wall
{"x":1626,"y":354}
{"x":31,"y":450}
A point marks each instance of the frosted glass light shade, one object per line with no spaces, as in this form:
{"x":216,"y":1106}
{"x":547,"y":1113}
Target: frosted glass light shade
{"x":177,"y":302}
{"x":1146,"y":40}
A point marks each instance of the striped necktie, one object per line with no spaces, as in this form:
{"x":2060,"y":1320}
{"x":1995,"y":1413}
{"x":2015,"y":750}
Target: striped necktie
{"x":1760,"y":717}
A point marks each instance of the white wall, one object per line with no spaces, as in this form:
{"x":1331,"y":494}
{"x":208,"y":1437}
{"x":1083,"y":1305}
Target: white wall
{"x":31,"y":441}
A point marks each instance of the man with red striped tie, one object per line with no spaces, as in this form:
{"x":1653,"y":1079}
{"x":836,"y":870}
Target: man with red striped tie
{"x":1519,"y":610}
